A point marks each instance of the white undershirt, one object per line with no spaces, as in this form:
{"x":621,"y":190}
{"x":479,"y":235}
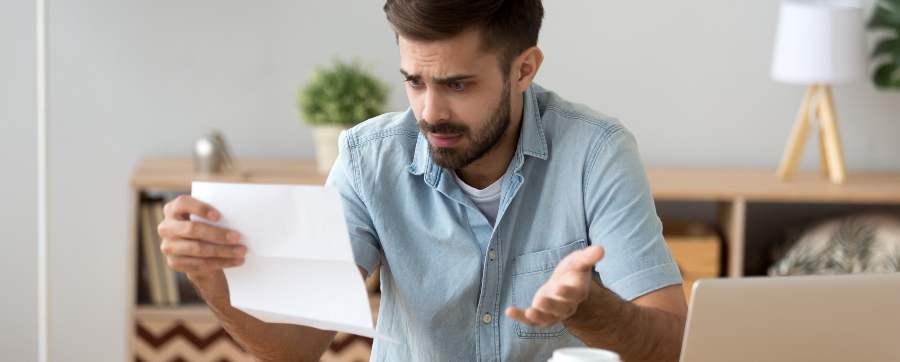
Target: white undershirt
{"x":487,"y":199}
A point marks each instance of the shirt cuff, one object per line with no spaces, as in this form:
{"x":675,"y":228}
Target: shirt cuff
{"x":646,"y":281}
{"x":366,"y":256}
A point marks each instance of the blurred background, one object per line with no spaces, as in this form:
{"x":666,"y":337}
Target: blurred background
{"x":132,"y":79}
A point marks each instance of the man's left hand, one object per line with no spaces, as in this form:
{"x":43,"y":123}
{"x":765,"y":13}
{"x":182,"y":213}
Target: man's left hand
{"x":567,"y":288}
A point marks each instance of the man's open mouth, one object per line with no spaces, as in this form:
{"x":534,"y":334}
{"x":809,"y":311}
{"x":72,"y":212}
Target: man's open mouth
{"x":444,"y":139}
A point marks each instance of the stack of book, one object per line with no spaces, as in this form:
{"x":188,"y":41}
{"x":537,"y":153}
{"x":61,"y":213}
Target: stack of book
{"x":159,"y":284}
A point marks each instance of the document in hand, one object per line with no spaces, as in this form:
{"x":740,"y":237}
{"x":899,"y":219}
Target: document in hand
{"x":299,"y":266}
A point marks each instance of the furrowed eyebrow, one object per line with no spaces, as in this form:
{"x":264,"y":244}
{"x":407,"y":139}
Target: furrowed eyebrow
{"x":439,"y":80}
{"x":409,"y":76}
{"x":452,"y":79}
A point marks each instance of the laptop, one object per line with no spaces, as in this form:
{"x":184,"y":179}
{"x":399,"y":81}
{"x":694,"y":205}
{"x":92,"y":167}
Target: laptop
{"x":803,"y":318}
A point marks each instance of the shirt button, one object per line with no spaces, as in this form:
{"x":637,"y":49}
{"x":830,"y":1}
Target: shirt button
{"x":492,"y":254}
{"x":487,"y":318}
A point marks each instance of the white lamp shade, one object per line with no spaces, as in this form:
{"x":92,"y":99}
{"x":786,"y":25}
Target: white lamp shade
{"x":819,"y":42}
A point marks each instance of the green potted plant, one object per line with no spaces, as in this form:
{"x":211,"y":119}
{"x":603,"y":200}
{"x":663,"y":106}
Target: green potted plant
{"x":336,"y":98}
{"x":886,"y":17}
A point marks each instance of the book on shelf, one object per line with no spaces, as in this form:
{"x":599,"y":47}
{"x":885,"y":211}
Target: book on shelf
{"x":160,"y":284}
{"x":151,"y":254}
{"x":171,"y":289}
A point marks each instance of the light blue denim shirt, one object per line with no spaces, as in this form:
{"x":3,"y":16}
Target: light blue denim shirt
{"x":447,"y":275}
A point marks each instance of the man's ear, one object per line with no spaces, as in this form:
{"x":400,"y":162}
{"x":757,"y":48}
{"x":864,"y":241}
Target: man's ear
{"x":525,"y":67}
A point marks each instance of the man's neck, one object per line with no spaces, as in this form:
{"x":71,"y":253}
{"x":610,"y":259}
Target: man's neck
{"x":489,"y":168}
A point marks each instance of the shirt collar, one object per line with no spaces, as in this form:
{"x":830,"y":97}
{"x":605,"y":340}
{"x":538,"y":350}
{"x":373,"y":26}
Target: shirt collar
{"x":532,"y":142}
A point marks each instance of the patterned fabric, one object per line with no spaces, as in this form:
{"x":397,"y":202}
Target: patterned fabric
{"x":159,"y":340}
{"x":854,"y":244}
{"x":179,"y":340}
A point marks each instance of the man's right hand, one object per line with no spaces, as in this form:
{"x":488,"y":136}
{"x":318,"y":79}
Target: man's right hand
{"x":202,"y":251}
{"x":197,"y":249}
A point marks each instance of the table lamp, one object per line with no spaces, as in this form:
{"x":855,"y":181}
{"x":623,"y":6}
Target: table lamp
{"x":818,"y":43}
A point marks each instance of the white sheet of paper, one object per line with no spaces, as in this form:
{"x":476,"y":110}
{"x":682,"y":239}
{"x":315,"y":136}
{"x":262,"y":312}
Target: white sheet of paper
{"x":299,"y":266}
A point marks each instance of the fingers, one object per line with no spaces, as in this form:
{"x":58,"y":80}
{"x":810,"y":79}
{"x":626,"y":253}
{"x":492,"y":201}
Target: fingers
{"x":522,"y":315}
{"x":517,"y":314}
{"x":177,"y":224}
{"x":582,"y":260}
{"x":200,"y":249}
{"x":189,"y":264}
{"x":549,"y":305}
{"x":556,"y":300}
{"x":570,"y":293}
{"x":191,"y":256}
{"x":558,"y":309}
{"x":531,"y":316}
{"x":177,"y":229}
{"x":184,"y":205}
{"x":540,"y":318}
{"x":197,"y":247}
{"x":568,"y":287}
{"x":561,"y":292}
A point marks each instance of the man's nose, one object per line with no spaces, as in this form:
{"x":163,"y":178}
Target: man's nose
{"x":436,"y":110}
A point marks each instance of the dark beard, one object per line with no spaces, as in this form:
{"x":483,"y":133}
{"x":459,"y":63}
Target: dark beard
{"x":483,"y":141}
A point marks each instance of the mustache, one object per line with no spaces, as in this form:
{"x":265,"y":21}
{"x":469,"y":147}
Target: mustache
{"x":443,"y":127}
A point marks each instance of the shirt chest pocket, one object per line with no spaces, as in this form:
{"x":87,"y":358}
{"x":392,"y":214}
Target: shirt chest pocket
{"x":530,"y":272}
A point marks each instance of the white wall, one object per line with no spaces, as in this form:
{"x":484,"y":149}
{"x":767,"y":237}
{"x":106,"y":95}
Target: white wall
{"x":137,"y":78}
{"x":18,"y":180}
{"x":691,"y":79}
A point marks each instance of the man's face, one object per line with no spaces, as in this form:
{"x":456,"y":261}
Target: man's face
{"x":459,"y":96}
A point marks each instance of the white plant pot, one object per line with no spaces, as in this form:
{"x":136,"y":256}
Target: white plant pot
{"x":326,"y":139}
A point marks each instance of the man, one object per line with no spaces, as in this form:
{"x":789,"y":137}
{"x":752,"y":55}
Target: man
{"x":507,"y":221}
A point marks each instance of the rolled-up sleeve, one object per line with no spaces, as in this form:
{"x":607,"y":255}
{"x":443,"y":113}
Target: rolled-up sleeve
{"x":622,"y":218}
{"x":344,"y":177}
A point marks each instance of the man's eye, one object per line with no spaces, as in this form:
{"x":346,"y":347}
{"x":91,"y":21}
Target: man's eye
{"x":415,"y":83}
{"x":457,"y":86}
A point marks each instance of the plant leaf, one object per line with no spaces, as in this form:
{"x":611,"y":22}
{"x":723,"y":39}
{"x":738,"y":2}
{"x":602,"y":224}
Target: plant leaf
{"x":883,"y":75}
{"x":885,"y":16}
{"x":887,"y":46}
{"x":343,"y":93}
{"x":892,"y":5}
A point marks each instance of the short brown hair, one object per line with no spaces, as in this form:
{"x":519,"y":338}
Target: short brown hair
{"x":507,"y":26}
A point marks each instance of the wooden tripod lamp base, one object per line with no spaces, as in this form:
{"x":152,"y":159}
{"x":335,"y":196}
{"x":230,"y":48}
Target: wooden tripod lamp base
{"x":818,"y":102}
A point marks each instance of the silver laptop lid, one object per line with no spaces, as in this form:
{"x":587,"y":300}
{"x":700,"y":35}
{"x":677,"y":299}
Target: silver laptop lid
{"x":804,"y":318}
